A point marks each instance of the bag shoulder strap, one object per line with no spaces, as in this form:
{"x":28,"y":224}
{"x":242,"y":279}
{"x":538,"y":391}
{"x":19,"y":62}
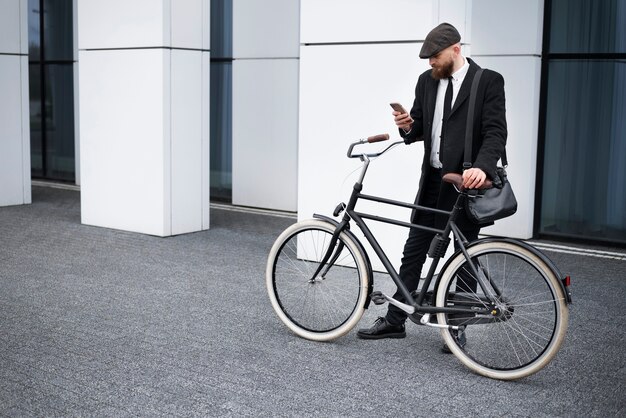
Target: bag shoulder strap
{"x":469,"y":127}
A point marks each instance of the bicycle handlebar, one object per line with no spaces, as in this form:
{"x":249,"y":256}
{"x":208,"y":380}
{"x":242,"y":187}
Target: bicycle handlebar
{"x":371,"y":140}
{"x":453,"y":178}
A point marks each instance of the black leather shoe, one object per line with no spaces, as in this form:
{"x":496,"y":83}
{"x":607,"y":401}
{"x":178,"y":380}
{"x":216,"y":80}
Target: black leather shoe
{"x":382,"y":329}
{"x":459,"y":336}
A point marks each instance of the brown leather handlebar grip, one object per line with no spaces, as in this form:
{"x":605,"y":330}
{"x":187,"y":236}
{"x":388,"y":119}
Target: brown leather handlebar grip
{"x":457,"y":180}
{"x":378,"y":138}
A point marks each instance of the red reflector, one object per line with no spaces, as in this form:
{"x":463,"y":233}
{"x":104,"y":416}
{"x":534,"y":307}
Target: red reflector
{"x":566,"y":281}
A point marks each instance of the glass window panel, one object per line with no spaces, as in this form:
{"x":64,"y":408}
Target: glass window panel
{"x":36,"y":149}
{"x":588,"y":26}
{"x":58,"y":30}
{"x":221,"y":131}
{"x":584,"y":177}
{"x":34,"y":41}
{"x":221,"y":99}
{"x":221,"y":28}
{"x":51,"y":96}
{"x":59,"y":121}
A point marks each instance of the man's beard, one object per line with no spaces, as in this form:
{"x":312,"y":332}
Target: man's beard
{"x":444,"y":72}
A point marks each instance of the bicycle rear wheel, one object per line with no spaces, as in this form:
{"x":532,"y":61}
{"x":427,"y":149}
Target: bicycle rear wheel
{"x":528,"y":320}
{"x":328,"y":306}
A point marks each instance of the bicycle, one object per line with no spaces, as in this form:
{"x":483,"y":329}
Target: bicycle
{"x":501,"y":305}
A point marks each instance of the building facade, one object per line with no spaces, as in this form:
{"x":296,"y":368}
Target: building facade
{"x":156,"y":107}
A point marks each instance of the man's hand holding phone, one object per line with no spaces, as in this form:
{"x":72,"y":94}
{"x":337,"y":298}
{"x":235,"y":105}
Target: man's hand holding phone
{"x":401,"y":117}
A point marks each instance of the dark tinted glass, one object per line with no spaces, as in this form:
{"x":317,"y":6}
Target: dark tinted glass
{"x":584,"y":178}
{"x":34,"y":41}
{"x":221,"y":99}
{"x":588,"y":26}
{"x":58,"y":30}
{"x":221,"y":130}
{"x":36,"y":149}
{"x":221,"y":29}
{"x":51,"y":86}
{"x":59,"y":122}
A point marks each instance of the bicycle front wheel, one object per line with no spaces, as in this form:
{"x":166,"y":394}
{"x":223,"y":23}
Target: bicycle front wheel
{"x":329,"y":305}
{"x":528,"y":312}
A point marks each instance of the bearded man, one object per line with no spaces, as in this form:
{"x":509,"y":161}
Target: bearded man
{"x":438,"y":118}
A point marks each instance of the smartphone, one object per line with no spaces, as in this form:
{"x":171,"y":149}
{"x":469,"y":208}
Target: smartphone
{"x":398,"y":107}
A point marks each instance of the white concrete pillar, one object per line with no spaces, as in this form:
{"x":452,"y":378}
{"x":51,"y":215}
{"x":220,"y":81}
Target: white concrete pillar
{"x":15,"y":188}
{"x":507,"y":37}
{"x":144,"y":114}
{"x":265,"y":103}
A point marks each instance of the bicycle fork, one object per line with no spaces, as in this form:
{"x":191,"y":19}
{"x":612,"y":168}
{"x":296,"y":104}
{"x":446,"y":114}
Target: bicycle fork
{"x":341,"y":226}
{"x":330,"y":257}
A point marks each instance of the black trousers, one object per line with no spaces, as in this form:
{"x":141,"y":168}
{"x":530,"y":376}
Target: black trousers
{"x":417,"y":245}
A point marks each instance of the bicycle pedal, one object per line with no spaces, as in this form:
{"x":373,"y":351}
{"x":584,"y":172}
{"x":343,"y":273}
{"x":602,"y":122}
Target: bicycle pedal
{"x":378,"y":298}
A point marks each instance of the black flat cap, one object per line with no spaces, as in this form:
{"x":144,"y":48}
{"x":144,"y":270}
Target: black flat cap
{"x":439,"y":39}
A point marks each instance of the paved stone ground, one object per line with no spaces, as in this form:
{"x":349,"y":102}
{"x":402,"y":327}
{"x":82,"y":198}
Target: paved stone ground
{"x":98,"y":322}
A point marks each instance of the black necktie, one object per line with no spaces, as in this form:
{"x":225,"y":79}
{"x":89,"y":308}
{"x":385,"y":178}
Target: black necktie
{"x":447,"y":101}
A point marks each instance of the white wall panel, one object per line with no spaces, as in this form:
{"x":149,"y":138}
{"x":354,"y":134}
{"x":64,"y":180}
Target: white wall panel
{"x":144,"y":23}
{"x":122,"y":111}
{"x":25,"y":120}
{"x":187,"y":157}
{"x":14,"y":131}
{"x":15,"y":186}
{"x":522,"y":77}
{"x":345,"y":96}
{"x":457,"y":13}
{"x":507,"y":37}
{"x":366,"y":20}
{"x":507,"y":27}
{"x":265,"y":128}
{"x":264,"y":29}
{"x":13,"y":27}
{"x":206,"y":136}
{"x":189,"y":29}
{"x":122,"y":23}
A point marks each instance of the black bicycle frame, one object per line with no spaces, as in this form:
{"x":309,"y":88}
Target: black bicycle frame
{"x":437,"y":250}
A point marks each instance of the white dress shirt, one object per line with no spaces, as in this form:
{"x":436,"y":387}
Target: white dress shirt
{"x":457,"y":80}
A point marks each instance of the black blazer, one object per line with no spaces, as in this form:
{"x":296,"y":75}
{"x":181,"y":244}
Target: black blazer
{"x":489,"y":138}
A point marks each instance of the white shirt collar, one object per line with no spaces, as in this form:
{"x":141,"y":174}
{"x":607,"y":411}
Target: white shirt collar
{"x":461,"y":72}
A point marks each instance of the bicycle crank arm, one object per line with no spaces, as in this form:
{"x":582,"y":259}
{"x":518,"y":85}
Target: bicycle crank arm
{"x":379,"y":298}
{"x":426,"y":321}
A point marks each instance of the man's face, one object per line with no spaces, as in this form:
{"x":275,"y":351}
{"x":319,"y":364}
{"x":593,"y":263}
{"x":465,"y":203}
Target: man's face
{"x":442,"y":64}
